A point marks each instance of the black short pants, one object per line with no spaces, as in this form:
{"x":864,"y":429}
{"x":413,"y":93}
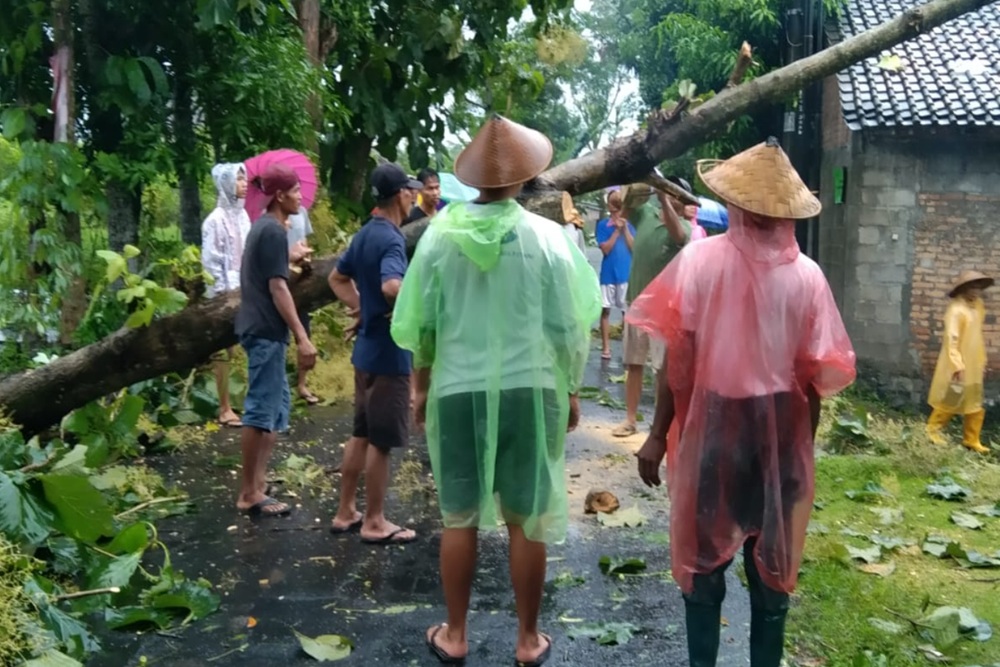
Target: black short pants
{"x":382,"y":409}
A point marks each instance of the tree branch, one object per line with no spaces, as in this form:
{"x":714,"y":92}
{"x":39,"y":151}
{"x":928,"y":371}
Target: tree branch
{"x":631,"y":158}
{"x":743,"y":62}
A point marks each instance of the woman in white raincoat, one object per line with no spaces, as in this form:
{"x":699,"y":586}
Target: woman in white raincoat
{"x":223,"y":235}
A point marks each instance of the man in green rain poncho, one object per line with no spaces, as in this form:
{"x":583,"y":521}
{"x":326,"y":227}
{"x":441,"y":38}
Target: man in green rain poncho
{"x":497,"y":307}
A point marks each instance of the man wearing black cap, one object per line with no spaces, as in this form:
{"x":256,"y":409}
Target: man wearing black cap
{"x":367,"y":279}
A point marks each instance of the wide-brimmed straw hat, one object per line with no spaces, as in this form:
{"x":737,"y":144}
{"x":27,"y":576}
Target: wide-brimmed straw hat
{"x":635,"y":195}
{"x":503,"y":153}
{"x":761,"y":180}
{"x":971,"y":278}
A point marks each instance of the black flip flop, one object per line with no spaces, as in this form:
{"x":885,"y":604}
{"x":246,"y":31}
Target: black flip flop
{"x":257,"y":510}
{"x":541,"y":659}
{"x":440,"y":653}
{"x":387,"y":540}
{"x":353,"y":528}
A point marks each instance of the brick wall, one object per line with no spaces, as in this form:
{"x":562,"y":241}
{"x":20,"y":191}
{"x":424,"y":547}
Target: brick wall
{"x":957,"y":231}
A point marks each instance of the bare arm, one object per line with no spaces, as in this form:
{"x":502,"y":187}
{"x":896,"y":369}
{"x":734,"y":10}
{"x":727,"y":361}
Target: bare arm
{"x":390,"y":290}
{"x":664,"y":413}
{"x":283,"y":301}
{"x":422,"y":380}
{"x":671,"y":221}
{"x":345,"y":290}
{"x":609,"y":245}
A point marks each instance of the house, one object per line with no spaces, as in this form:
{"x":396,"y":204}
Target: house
{"x":910,"y":183}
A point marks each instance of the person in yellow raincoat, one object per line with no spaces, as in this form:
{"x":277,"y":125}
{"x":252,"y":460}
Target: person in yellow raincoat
{"x":957,"y":387}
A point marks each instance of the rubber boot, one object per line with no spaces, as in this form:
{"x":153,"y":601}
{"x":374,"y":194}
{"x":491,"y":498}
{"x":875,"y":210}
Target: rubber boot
{"x":767,"y":637}
{"x":973,"y":427}
{"x":935,"y":426}
{"x":703,"y":629}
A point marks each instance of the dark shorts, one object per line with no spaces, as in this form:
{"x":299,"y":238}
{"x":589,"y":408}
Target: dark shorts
{"x":382,"y":409}
{"x":523,"y":486}
{"x":268,"y":402}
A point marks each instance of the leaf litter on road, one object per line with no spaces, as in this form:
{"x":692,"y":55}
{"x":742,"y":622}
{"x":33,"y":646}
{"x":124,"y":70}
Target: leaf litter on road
{"x":605,"y":634}
{"x":629,"y":518}
{"x":325,"y":648}
{"x":621,"y":566}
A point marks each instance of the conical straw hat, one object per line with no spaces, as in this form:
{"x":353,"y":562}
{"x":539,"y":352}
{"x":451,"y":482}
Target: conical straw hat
{"x":503,"y":153}
{"x":967,"y":277}
{"x":761,"y":180}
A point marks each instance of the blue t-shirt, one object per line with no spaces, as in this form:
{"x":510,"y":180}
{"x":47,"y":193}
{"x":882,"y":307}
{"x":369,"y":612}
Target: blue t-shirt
{"x":616,"y":264}
{"x":376,"y":254}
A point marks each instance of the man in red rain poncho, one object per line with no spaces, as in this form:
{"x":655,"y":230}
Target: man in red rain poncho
{"x":754,"y":340}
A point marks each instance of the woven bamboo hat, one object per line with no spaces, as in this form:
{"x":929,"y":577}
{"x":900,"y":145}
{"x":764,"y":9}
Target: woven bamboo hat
{"x":503,"y":153}
{"x":635,"y":195}
{"x":761,"y":180}
{"x":971,"y":278}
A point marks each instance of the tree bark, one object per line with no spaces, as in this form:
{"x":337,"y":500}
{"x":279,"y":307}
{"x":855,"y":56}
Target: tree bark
{"x":37,"y":398}
{"x":186,"y":157}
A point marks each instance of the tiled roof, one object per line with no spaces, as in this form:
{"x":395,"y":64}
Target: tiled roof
{"x":949,"y":76}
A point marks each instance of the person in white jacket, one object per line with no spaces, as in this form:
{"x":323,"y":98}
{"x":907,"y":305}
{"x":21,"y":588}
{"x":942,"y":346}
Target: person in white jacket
{"x":223,"y":235}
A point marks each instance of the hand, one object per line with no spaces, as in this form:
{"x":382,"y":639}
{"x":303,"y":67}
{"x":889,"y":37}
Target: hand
{"x":307,"y":355}
{"x":651,"y":458}
{"x":299,"y":252}
{"x":420,"y":408}
{"x":959,"y":376}
{"x":352,"y":330}
{"x":574,"y":413}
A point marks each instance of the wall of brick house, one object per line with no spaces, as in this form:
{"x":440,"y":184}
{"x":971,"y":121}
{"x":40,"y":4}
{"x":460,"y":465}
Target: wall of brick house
{"x":898,"y":240}
{"x":958,"y":230}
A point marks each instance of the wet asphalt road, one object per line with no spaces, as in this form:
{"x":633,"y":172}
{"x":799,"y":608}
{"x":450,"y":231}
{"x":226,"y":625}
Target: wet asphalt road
{"x":292,"y":573}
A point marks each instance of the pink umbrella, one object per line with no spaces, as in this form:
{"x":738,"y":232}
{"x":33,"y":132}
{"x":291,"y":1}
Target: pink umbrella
{"x":256,"y":166}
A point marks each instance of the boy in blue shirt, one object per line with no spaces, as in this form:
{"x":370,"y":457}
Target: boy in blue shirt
{"x":367,"y":280}
{"x":615,"y":235}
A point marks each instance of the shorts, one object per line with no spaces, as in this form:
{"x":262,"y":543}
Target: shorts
{"x":641,"y":349}
{"x":268,"y":403}
{"x":382,"y":409}
{"x":613,"y":296}
{"x":523,"y":486}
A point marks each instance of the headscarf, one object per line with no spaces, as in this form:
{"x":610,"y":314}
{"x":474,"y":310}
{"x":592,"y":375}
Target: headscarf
{"x":231,"y":208}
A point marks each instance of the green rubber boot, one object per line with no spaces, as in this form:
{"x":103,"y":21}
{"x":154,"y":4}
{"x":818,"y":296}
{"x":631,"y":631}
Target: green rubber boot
{"x":767,"y":638}
{"x":703,"y":623}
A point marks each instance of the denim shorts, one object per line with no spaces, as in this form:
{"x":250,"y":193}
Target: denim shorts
{"x":268,"y":401}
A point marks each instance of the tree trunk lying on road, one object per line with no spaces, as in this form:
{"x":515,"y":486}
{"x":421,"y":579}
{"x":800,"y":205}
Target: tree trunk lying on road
{"x":38,"y":398}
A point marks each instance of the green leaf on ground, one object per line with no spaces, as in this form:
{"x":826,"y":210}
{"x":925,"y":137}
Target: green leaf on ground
{"x":889,"y":543}
{"x":52,"y":659}
{"x":946,"y":625}
{"x":22,"y":517}
{"x":887,"y":627}
{"x":605,"y":634}
{"x":937,"y":546}
{"x":126,"y":617}
{"x":887,"y":516}
{"x":325,"y":648}
{"x":589,"y":393}
{"x":567,"y":579}
{"x":630,"y":518}
{"x":611,"y":565}
{"x":116,"y":572}
{"x":196,"y":597}
{"x":873,"y":492}
{"x":133,"y":539}
{"x":815,"y":528}
{"x":868,"y":555}
{"x":987,"y":510}
{"x":81,"y":509}
{"x":964,"y":520}
{"x":946,"y":489}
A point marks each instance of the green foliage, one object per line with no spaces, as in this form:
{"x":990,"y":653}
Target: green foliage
{"x":144,"y":297}
{"x":84,"y":532}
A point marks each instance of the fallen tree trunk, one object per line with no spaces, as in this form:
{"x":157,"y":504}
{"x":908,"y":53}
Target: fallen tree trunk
{"x":38,"y":398}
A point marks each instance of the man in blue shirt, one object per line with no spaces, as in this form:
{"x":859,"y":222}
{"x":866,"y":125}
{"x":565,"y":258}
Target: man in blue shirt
{"x":614,"y":236}
{"x":367,"y":280}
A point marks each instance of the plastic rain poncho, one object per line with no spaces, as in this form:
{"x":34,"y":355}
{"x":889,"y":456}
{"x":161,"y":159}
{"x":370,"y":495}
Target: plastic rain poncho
{"x":224,"y":232}
{"x":962,"y":349}
{"x":749,"y":324}
{"x":498,"y":303}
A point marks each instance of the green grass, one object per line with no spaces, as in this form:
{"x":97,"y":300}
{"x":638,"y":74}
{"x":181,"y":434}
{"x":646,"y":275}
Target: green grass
{"x":835,"y":599}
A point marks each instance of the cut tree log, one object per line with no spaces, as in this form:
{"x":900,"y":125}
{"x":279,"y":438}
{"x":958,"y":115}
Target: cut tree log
{"x":38,"y":398}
